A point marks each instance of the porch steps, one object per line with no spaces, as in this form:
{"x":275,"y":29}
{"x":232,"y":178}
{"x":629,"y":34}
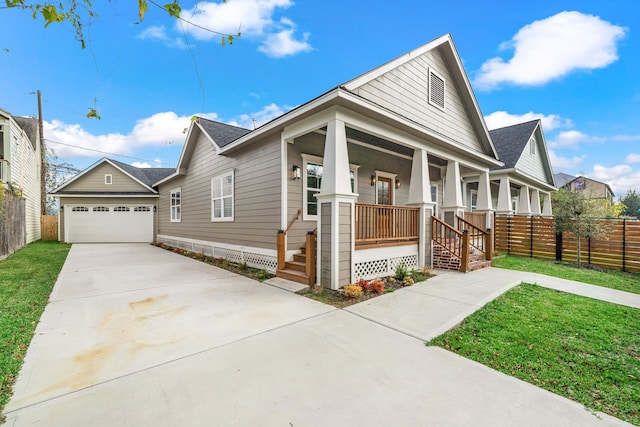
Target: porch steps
{"x":477,"y":263}
{"x":443,"y":258}
{"x":296,"y":270}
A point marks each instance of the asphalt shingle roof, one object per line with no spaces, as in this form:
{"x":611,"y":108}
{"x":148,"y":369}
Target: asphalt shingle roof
{"x":222,"y":133}
{"x":148,"y":176}
{"x":510,"y":141}
{"x":562,"y":179}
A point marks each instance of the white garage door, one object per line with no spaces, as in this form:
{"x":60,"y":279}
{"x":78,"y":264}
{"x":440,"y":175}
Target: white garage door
{"x":108,"y":223}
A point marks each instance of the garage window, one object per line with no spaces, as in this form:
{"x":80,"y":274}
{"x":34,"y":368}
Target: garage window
{"x":121,"y":209}
{"x":142,"y":209}
{"x":222,"y":197}
{"x":80,"y":209}
{"x":176,"y":205}
{"x":101,"y":209}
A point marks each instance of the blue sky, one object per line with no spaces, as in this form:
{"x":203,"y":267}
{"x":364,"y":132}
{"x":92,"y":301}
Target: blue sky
{"x":574,"y":64}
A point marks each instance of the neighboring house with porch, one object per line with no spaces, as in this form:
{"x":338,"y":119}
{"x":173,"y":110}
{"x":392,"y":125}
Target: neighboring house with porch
{"x":523,"y":185}
{"x":21,"y":165}
{"x":589,"y":187}
{"x":369,"y":175}
{"x":109,"y":201}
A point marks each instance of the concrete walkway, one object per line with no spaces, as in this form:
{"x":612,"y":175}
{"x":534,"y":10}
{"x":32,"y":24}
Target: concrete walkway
{"x":137,"y":336}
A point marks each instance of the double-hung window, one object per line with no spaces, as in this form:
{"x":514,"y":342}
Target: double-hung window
{"x":176,"y":205}
{"x":311,"y":182}
{"x":222,"y":197}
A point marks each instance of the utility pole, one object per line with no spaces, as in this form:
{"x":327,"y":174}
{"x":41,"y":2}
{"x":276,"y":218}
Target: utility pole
{"x":43,"y":160}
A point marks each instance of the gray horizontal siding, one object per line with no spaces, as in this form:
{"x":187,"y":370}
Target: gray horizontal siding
{"x":256,"y":196}
{"x":405,"y":91}
{"x":94,"y":181}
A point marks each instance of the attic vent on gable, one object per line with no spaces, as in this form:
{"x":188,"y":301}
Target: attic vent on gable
{"x":436,"y":89}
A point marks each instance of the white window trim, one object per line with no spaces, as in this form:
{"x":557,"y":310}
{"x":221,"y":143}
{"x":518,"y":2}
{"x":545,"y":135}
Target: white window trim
{"x":473,"y":207}
{"x":171,"y":206}
{"x":108,"y":179}
{"x":309,"y":158}
{"x":233,"y":197}
{"x":393,"y":177}
{"x":444,"y":93}
{"x":434,"y":200}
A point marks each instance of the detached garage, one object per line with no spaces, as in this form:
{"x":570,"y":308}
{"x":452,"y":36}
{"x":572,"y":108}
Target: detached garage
{"x":110,"y":202}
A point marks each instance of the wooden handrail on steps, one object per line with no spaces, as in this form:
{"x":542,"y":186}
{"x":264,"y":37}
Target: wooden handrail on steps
{"x":478,"y":238}
{"x":453,"y":240}
{"x":294,"y":219}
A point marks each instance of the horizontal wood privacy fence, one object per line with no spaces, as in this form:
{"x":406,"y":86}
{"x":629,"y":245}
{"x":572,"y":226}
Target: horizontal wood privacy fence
{"x":13,"y":231}
{"x":618,"y":248}
{"x":383,"y":225}
{"x":49,"y":227}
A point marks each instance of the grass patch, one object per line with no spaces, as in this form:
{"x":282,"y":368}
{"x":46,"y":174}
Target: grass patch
{"x":26,"y":280}
{"x":584,"y":349}
{"x":629,"y":282}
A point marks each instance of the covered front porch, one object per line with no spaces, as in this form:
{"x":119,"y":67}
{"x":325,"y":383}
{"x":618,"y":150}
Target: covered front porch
{"x":370,"y":193}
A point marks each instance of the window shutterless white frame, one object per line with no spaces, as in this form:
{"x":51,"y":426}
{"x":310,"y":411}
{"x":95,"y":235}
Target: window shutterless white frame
{"x":308,"y":159}
{"x":473,"y":202}
{"x":434,"y":199}
{"x":175,"y":205}
{"x":222,"y":197}
{"x":108,"y":179}
{"x":532,"y":146}
{"x":437,"y":90}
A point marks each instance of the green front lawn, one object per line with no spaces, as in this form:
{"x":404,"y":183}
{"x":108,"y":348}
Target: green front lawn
{"x":26,"y":280}
{"x":584,"y":349}
{"x":629,"y":282}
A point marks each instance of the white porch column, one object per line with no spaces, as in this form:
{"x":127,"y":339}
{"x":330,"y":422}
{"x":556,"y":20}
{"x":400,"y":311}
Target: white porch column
{"x":524,"y":202}
{"x":335,"y":211}
{"x":535,"y":202}
{"x":420,"y":195}
{"x":484,"y":203}
{"x":546,"y":205}
{"x":452,"y":198}
{"x":504,"y":197}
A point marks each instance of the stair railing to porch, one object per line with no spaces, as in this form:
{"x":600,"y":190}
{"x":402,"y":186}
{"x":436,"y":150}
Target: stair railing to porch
{"x":385,"y":225}
{"x":280,"y":247}
{"x":309,"y":251}
{"x":456,"y":242}
{"x":479,"y":239}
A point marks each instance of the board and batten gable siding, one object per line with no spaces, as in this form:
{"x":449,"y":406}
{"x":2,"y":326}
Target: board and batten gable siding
{"x":93,"y":181}
{"x":405,"y":90}
{"x":533,"y":164}
{"x":257,"y":180}
{"x":109,"y":201}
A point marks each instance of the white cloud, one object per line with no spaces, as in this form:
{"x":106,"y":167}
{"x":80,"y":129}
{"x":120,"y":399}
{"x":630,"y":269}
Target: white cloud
{"x":141,"y":164}
{"x":572,"y":138}
{"x":254,"y":19}
{"x":564,"y":163}
{"x":551,"y":48}
{"x":160,"y":129}
{"x":499,"y":119}
{"x":626,"y":138}
{"x":632,"y":158}
{"x":261,"y":117}
{"x":283,"y":43}
{"x":159,"y":32}
{"x":621,"y":178}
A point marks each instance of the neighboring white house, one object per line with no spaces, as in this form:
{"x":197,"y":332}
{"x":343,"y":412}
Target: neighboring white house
{"x":21,"y":163}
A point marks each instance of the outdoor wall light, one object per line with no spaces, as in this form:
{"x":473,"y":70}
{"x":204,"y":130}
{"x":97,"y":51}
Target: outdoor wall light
{"x":295,"y":172}
{"x":373,"y":180}
{"x":397,"y":183}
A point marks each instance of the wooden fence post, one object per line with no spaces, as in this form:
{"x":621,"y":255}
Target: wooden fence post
{"x":488,"y":244}
{"x":311,"y":257}
{"x":281,"y":249}
{"x":464,"y":259}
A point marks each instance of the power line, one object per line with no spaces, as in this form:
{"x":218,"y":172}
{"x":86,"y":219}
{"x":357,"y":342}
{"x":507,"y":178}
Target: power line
{"x":101,"y":152}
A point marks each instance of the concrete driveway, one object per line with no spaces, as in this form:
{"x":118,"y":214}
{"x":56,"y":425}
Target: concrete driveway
{"x":138,"y":336}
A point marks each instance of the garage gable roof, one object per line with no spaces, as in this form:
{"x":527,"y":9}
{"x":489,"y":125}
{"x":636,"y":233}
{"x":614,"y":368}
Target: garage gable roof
{"x":143,"y":176}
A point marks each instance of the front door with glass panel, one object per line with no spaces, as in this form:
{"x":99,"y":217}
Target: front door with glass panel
{"x":385,"y":191}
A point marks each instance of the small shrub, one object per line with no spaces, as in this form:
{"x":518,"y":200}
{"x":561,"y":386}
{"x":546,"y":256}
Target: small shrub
{"x":263,"y":275}
{"x":242,"y":265}
{"x":364,"y":285}
{"x":377,"y":286}
{"x":401,"y":271}
{"x":352,"y":290}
